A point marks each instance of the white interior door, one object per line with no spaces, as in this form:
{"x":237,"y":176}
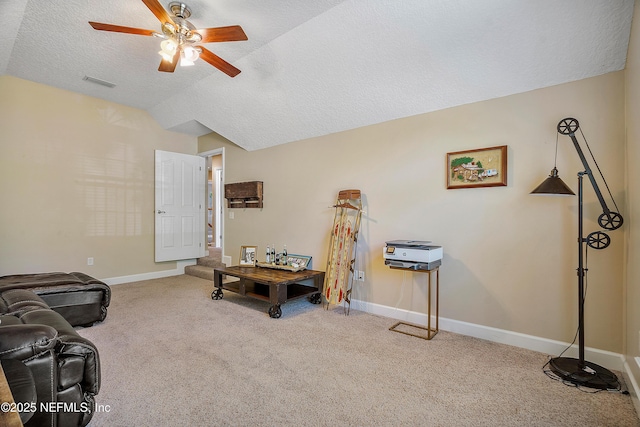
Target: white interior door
{"x":179,"y":206}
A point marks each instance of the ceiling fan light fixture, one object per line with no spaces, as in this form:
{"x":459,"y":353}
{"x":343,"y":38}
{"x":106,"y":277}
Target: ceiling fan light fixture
{"x":165,"y":56}
{"x":168,"y":50}
{"x":180,"y":38}
{"x":168,"y":46}
{"x":180,"y":9}
{"x":168,"y":29}
{"x":194,"y":37}
{"x":185,"y":62}
{"x":190,"y":54}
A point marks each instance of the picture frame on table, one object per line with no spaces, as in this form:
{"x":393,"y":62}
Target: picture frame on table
{"x":299,"y":260}
{"x":482,"y":167}
{"x":248,"y":256}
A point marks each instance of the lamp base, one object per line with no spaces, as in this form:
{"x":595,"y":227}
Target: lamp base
{"x":585,"y":374}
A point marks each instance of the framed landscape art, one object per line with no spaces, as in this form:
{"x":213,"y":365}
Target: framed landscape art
{"x":483,"y":167}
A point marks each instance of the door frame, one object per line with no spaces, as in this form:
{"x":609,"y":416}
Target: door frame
{"x":217,"y":217}
{"x":217,"y":152}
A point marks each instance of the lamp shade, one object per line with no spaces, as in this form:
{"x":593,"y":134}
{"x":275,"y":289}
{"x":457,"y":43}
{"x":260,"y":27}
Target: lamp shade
{"x":553,"y":185}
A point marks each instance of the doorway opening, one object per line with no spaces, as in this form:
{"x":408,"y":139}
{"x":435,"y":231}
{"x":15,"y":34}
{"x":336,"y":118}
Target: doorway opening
{"x":215,"y":197}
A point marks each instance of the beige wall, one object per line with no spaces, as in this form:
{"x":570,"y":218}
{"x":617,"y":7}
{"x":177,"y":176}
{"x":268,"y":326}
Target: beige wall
{"x":510,"y":257}
{"x":77,"y":181}
{"x":632,"y":296}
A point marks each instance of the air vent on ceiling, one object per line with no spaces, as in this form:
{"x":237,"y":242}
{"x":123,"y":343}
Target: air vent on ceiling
{"x":99,"y":82}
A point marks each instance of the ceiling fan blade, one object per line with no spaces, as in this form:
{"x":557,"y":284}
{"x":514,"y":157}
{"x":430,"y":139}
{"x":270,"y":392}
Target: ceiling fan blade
{"x":120,"y":29}
{"x":156,"y":8}
{"x":222,"y":34}
{"x":219,"y":63}
{"x":169,"y":67}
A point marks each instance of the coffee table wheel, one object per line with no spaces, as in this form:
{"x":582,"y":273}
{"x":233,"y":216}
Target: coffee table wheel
{"x":315,"y":298}
{"x":217,"y":294}
{"x":275,"y":312}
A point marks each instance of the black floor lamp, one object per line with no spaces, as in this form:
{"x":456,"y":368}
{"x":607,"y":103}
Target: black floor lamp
{"x":578,"y":371}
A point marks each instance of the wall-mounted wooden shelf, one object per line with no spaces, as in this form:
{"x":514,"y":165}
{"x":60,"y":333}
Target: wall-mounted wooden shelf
{"x":244,"y":194}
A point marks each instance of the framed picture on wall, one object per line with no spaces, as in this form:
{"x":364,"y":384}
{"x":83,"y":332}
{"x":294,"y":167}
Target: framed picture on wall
{"x":248,"y":255}
{"x":483,"y":167}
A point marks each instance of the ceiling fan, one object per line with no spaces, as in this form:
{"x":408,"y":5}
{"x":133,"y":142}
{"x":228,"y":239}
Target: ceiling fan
{"x":181,"y":38}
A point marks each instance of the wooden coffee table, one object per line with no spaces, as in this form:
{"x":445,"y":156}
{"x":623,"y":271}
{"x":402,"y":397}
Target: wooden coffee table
{"x":274,"y":286}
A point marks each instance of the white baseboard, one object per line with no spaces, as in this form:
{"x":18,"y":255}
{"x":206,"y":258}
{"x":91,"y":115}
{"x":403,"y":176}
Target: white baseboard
{"x":180,"y":265}
{"x":632,"y":384}
{"x":607,"y":359}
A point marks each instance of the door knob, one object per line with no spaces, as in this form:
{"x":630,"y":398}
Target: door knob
{"x":161,"y":212}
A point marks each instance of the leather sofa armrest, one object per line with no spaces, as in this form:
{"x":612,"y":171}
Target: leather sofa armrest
{"x":78,"y":358}
{"x":24,"y":341}
{"x":76,"y":348}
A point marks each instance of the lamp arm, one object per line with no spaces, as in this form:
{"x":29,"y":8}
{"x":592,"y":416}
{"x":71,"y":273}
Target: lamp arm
{"x":588,"y":172}
{"x":608,"y":219}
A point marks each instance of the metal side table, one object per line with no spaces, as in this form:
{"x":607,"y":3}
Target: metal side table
{"x":431,"y":332}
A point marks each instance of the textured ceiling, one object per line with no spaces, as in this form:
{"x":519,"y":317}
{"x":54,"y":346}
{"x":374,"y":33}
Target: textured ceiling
{"x":315,"y":67}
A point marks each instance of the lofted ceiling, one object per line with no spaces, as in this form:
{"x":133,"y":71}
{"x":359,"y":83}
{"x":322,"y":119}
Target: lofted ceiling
{"x":315,"y":67}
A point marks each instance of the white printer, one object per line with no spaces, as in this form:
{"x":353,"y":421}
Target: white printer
{"x":412,"y":254}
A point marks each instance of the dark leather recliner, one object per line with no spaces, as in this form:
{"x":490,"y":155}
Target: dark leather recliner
{"x":65,"y":367}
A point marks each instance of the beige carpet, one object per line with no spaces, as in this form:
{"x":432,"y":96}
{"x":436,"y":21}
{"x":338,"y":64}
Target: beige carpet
{"x":172,"y":356}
